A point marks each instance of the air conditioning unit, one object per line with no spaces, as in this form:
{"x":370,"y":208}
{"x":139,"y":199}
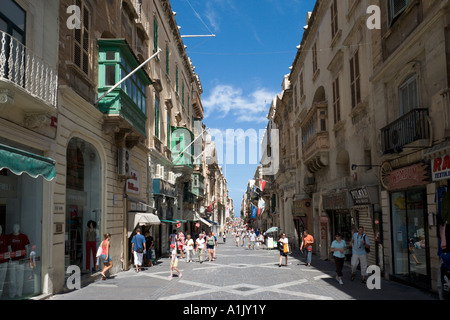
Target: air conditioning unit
{"x":124,"y":162}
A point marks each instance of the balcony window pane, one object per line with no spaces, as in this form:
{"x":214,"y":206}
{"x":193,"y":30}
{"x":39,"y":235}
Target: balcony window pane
{"x":110,"y":75}
{"x":408,"y":95}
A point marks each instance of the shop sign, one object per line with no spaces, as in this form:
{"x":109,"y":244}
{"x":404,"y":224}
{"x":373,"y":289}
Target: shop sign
{"x":337,"y":201}
{"x":364,"y":195}
{"x":301,"y":207}
{"x":415,"y":175}
{"x":134,"y":182}
{"x":441,"y":168}
{"x":164,"y":188}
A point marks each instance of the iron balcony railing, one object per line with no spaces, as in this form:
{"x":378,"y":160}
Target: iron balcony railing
{"x":21,"y":66}
{"x":411,"y":127}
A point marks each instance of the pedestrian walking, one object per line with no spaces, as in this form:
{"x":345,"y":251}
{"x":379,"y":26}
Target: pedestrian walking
{"x":216,"y":245}
{"x":180,"y":242}
{"x":307,"y":242}
{"x":174,"y":262}
{"x":138,"y":249}
{"x":210,"y":246}
{"x":224,"y":237}
{"x":173,"y":239}
{"x":189,"y":248}
{"x":252,"y":240}
{"x":360,"y":245}
{"x":283,"y":246}
{"x":149,"y":246}
{"x":236,"y":238}
{"x":107,"y":261}
{"x":243,"y":234}
{"x":200,"y":247}
{"x":338,"y":247}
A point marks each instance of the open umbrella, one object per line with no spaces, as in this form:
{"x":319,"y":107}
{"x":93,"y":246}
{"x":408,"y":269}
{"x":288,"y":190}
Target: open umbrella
{"x":273,"y":229}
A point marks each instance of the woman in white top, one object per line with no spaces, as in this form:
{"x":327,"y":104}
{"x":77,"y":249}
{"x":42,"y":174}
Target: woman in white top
{"x":283,"y":246}
{"x":189,"y":248}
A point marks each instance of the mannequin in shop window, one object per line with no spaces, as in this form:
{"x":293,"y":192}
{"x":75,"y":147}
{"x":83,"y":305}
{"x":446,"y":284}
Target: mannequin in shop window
{"x":4,"y":258}
{"x":91,"y":244}
{"x":19,"y":247}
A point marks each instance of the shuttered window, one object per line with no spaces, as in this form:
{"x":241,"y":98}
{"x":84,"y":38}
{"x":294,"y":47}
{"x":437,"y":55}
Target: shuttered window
{"x":81,"y":43}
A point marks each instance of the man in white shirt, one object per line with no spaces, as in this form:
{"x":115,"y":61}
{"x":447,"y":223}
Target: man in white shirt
{"x":200,"y":247}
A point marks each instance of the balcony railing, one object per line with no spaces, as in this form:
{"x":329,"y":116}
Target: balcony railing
{"x":409,"y":128}
{"x":22,"y":67}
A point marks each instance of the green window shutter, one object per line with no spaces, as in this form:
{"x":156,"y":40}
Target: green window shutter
{"x":176,"y":79}
{"x":168,"y":131}
{"x":155,"y":34}
{"x":167,"y":60}
{"x":157,"y":117}
{"x":182,"y":94}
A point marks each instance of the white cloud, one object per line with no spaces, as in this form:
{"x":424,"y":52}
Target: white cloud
{"x":225,"y":100}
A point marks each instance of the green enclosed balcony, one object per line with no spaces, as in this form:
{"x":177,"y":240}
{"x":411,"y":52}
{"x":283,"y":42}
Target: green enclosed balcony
{"x":198,"y":184}
{"x":126,"y":105}
{"x":182,"y":148}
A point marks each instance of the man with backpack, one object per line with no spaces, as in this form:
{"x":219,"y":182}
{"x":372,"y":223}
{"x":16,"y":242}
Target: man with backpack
{"x":360,"y":247}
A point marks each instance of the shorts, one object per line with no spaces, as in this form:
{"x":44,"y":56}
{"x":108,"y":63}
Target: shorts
{"x":105,"y":258}
{"x":210,"y":246}
{"x":138,"y":258}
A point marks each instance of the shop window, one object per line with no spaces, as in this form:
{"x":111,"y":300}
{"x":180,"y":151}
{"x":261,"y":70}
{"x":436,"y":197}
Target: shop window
{"x":83,"y":204}
{"x":20,"y":235}
{"x":410,"y":236}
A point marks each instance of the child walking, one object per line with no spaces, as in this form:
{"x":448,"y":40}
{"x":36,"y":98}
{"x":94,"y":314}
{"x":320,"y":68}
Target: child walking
{"x":174,"y":262}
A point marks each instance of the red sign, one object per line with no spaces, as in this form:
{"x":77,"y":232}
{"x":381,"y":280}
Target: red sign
{"x":441,"y":168}
{"x":415,"y":175}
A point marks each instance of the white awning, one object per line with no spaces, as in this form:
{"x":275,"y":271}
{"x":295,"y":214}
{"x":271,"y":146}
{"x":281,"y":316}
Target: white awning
{"x":141,"y":219}
{"x":202,"y":220}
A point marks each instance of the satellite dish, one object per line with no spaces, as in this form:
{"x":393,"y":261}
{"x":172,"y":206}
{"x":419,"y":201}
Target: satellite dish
{"x":202,"y":209}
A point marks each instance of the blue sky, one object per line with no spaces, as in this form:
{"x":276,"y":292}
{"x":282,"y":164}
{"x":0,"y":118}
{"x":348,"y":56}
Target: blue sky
{"x":241,"y":69}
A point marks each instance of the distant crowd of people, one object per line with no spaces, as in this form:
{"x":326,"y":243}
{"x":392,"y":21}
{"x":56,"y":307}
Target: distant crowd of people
{"x":205,"y":246}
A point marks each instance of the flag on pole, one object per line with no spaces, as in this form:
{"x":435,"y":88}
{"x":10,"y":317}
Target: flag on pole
{"x":262,"y":184}
{"x":261,"y":206}
{"x":254,"y":213}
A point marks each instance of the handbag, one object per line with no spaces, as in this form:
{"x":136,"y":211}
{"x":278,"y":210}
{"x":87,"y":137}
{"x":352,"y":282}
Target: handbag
{"x":139,"y":250}
{"x":285,"y":248}
{"x":99,"y":250}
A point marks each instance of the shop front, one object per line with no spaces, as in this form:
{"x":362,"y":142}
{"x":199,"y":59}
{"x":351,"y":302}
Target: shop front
{"x":165,"y":195}
{"x":338,"y":206}
{"x":301,"y":214}
{"x":83,"y":205}
{"x":367,"y":212}
{"x":440,"y":161}
{"x":409,"y":224}
{"x":24,"y":179}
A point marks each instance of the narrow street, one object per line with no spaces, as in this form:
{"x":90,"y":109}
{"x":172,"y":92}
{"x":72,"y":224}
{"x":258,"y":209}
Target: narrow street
{"x":239,"y":273}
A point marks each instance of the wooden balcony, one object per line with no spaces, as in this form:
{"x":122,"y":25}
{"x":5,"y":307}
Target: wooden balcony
{"x":315,"y":138}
